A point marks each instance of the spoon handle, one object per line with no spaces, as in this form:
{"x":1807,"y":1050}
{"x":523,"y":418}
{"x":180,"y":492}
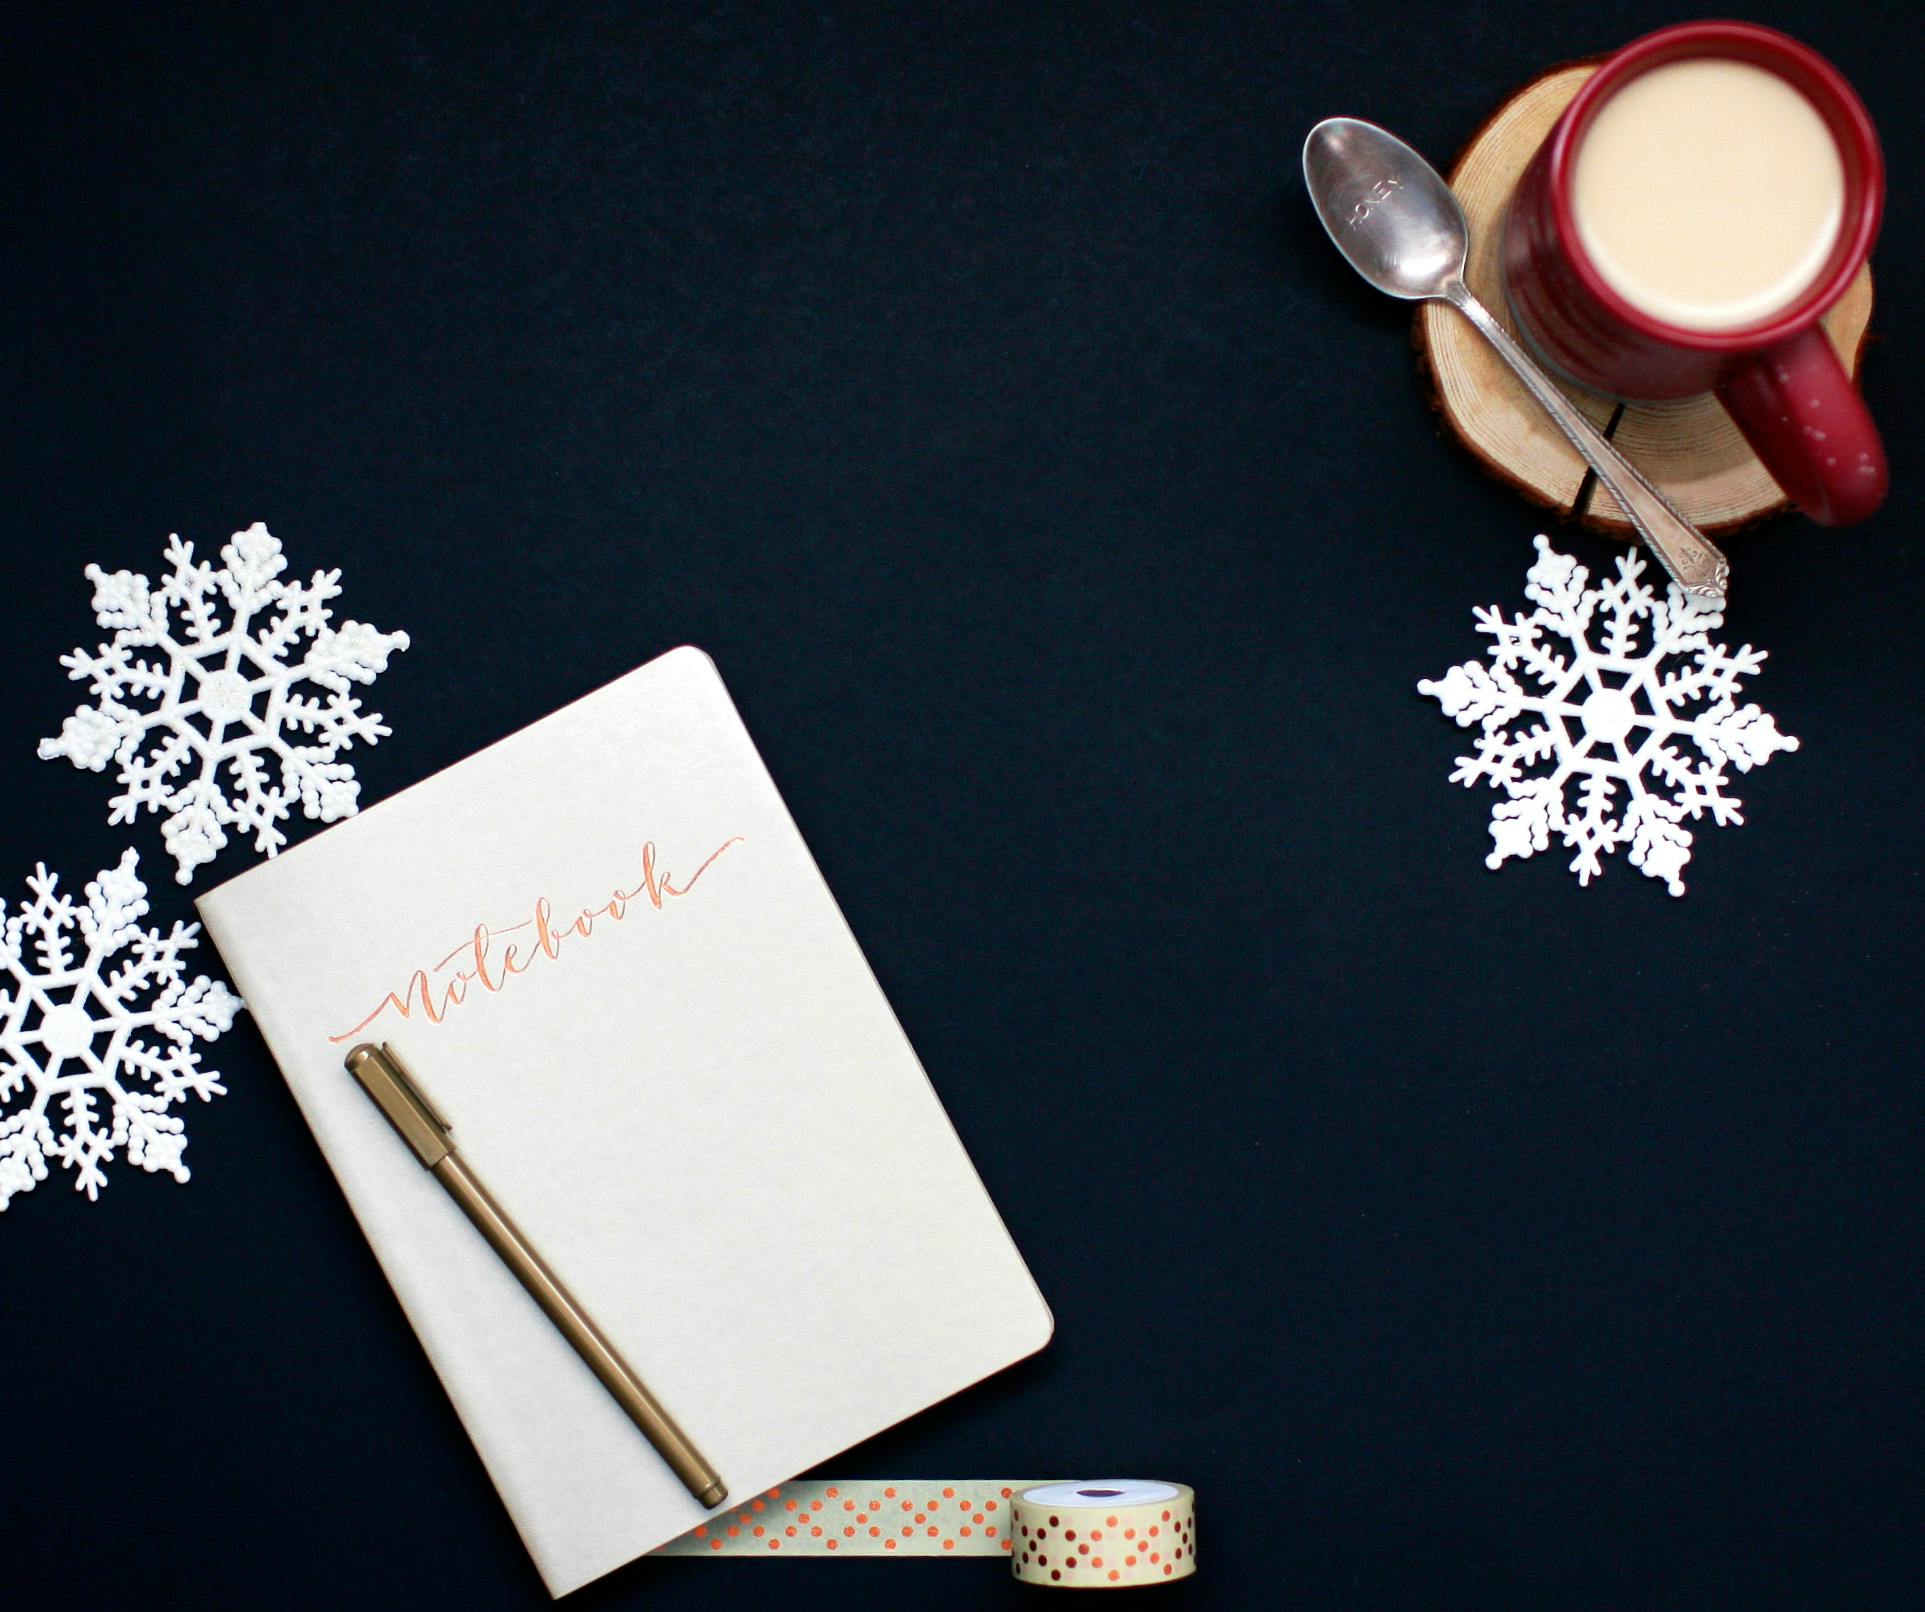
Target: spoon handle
{"x":1688,"y":557}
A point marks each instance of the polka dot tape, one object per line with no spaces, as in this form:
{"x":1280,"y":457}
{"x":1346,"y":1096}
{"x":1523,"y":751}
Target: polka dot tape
{"x":1104,"y":1533}
{"x":860,"y":1517}
{"x":1091,"y":1534}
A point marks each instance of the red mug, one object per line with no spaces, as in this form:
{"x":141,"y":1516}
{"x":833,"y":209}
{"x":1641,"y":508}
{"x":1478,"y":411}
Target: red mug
{"x":1778,"y":378}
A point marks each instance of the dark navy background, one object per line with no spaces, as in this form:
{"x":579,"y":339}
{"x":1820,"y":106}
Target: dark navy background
{"x":974,"y":383}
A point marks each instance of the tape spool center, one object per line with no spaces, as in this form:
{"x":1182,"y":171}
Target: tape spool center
{"x":1103,"y":1492}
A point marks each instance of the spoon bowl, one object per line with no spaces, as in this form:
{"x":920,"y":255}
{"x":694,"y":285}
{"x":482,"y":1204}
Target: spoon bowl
{"x":1385,"y":208}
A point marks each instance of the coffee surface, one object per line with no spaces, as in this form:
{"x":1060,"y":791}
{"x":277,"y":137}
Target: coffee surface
{"x":1708,"y":193}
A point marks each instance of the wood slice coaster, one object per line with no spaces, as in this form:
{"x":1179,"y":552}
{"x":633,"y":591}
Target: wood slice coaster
{"x":1689,"y":446}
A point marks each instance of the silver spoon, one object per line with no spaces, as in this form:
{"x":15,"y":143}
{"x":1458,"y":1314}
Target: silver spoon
{"x":1391,"y":214}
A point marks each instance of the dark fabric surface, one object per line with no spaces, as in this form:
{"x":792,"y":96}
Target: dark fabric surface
{"x":974,"y":384}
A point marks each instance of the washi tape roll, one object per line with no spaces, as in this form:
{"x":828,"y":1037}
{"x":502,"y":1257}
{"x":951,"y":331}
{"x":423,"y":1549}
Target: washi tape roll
{"x":1095,"y":1534}
{"x":1104,"y":1533}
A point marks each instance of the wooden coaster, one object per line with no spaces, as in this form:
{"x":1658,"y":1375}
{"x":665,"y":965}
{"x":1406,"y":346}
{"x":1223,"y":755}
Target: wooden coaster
{"x":1689,"y":447}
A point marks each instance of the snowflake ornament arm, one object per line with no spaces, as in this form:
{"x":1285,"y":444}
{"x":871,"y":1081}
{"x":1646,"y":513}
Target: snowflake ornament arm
{"x":1615,"y":739}
{"x":113,"y":1022}
{"x":196,"y":702}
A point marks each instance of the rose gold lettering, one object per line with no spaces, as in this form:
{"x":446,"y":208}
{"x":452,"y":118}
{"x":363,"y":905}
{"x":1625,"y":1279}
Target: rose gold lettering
{"x":434,"y":1001}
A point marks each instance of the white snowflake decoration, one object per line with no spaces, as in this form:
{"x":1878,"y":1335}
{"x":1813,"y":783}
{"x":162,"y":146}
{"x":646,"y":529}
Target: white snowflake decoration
{"x":213,"y":705}
{"x":1557,"y":705}
{"x":114,"y":1023}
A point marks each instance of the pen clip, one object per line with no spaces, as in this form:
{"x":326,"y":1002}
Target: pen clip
{"x":407,"y":1084}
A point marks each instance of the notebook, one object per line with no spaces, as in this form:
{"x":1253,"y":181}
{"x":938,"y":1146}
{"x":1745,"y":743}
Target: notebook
{"x":604,"y":951}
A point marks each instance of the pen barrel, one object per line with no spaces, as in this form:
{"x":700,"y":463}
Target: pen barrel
{"x":670,"y":1442}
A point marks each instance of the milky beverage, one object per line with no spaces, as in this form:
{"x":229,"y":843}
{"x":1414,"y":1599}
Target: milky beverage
{"x":1708,"y":193}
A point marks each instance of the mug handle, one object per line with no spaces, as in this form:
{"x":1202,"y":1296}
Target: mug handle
{"x":1803,"y":417}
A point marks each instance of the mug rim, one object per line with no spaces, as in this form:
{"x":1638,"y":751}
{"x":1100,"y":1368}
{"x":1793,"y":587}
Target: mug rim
{"x":1763,"y":47}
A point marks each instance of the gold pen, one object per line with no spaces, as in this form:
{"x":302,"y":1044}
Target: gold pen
{"x":382,"y":1077}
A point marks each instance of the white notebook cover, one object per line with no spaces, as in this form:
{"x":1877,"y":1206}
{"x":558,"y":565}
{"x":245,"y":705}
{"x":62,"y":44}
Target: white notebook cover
{"x":697,"y":1105}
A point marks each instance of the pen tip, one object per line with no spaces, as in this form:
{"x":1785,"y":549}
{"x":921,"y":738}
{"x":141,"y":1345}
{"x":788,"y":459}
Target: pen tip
{"x":713,"y":1495}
